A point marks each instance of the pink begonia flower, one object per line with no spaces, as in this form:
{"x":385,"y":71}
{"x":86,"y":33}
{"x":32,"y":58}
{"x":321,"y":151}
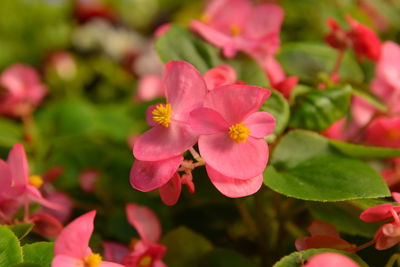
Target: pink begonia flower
{"x":323,"y":235}
{"x":87,"y":179}
{"x":150,"y":87}
{"x":21,"y":90}
{"x":8,"y":203}
{"x":330,"y":259}
{"x":146,"y":252}
{"x":185,"y":90}
{"x":61,"y":199}
{"x":114,"y":251}
{"x":359,"y":37}
{"x":28,"y":185}
{"x":384,"y":131}
{"x":72,"y":245}
{"x":46,"y":225}
{"x":220,"y":75}
{"x":232,"y":131}
{"x":237,"y":25}
{"x":388,"y":234}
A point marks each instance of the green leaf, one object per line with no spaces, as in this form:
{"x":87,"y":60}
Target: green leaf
{"x":279,"y":108}
{"x":185,"y":247}
{"x":248,"y":70}
{"x":180,"y":44}
{"x":10,"y":250}
{"x":370,"y":98}
{"x":317,"y":110}
{"x":27,"y":264}
{"x":39,"y":253}
{"x":10,"y":133}
{"x":345,"y":216}
{"x":221,"y":257}
{"x":364,"y":152}
{"x":304,"y":166}
{"x":21,"y":230}
{"x":297,"y":259}
{"x":308,"y":60}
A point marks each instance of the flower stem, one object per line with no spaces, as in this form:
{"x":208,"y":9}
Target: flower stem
{"x":247,"y":218}
{"x":363,"y":246}
{"x":338,"y":62}
{"x":392,"y":260}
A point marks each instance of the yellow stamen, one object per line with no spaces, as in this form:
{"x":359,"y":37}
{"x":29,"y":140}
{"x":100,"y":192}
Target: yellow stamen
{"x":92,"y":260}
{"x":393,"y":134}
{"x":145,"y":261}
{"x":36,"y":181}
{"x":205,"y":18}
{"x":235,"y":30}
{"x":162,"y":114}
{"x":239,"y":132}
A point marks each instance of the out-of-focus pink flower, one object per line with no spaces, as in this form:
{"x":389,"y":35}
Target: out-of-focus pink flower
{"x":237,"y":25}
{"x":115,"y":252}
{"x":388,"y":234}
{"x":147,"y":251}
{"x":8,"y":195}
{"x":171,"y":135}
{"x":87,"y":179}
{"x":220,"y":75}
{"x":63,"y":63}
{"x":323,"y":235}
{"x":61,"y":199}
{"x":384,"y":131}
{"x":362,"y":39}
{"x":330,"y":259}
{"x":88,"y":9}
{"x":72,"y":245}
{"x":391,"y":173}
{"x":46,"y":225}
{"x":150,"y":87}
{"x":21,"y":90}
{"x":232,"y":139}
{"x":162,"y":29}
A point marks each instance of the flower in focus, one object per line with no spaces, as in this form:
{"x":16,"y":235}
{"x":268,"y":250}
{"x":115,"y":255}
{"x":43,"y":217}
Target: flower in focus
{"x":72,"y":245}
{"x":330,"y":259}
{"x":232,"y":137}
{"x":323,"y":235}
{"x":388,"y":234}
{"x":21,"y":90}
{"x":237,"y":25}
{"x":359,"y":37}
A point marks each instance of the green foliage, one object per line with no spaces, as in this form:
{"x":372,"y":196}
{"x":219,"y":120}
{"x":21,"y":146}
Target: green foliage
{"x":185,"y":247}
{"x":10,"y":250}
{"x":297,"y":259}
{"x":21,"y":230}
{"x":317,"y":110}
{"x":10,"y":133}
{"x":278,"y":106}
{"x":319,"y":173}
{"x":221,"y":257}
{"x":248,"y":70}
{"x":39,"y":253}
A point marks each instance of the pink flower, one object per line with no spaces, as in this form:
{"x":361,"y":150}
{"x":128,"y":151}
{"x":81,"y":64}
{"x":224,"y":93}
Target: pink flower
{"x":236,"y":25}
{"x":388,"y":234}
{"x":391,"y":173}
{"x":150,"y":87}
{"x":323,"y":235}
{"x":232,"y":137}
{"x":23,"y":90}
{"x":46,"y":225}
{"x":384,"y":132}
{"x":87,"y":179}
{"x":171,"y":135}
{"x":330,"y":259}
{"x":147,"y":252}
{"x":220,"y":75}
{"x":72,"y":245}
{"x":61,"y":199}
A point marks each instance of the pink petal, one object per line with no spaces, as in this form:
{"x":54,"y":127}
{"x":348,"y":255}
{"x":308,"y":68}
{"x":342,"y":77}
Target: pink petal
{"x":396,"y":196}
{"x":145,"y":221}
{"x":18,"y":165}
{"x":185,"y":88}
{"x":232,"y":187}
{"x":260,"y":124}
{"x":388,"y":66}
{"x":378,"y":213}
{"x":74,"y":238}
{"x":61,"y":199}
{"x":66,"y":261}
{"x":384,"y":241}
{"x":110,"y":264}
{"x":46,"y":225}
{"x":171,"y":191}
{"x":242,"y":161}
{"x":161,"y":143}
{"x":323,"y":241}
{"x":5,"y":176}
{"x":273,"y":70}
{"x":36,"y":196}
{"x":150,"y":87}
{"x":149,"y":115}
{"x":149,"y":175}
{"x":87,"y":179}
{"x":263,"y":20}
{"x":220,"y":75}
{"x":236,"y":102}
{"x":114,"y":252}
{"x":330,"y":259}
{"x":322,"y":228}
{"x":207,"y":121}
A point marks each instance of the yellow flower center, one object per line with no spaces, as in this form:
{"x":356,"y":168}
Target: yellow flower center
{"x":92,"y":260}
{"x":205,"y":18}
{"x":36,"y":181}
{"x":145,"y":261}
{"x":162,"y":114}
{"x":239,"y":132}
{"x":235,"y":30}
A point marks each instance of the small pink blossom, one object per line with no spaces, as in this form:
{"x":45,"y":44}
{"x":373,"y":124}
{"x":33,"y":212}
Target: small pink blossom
{"x":330,"y":259}
{"x":171,"y":135}
{"x":237,"y":25}
{"x":323,"y":235}
{"x":220,"y":75}
{"x":87,"y":179}
{"x":72,"y":245}
{"x":21,"y":90}
{"x":150,"y":87}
